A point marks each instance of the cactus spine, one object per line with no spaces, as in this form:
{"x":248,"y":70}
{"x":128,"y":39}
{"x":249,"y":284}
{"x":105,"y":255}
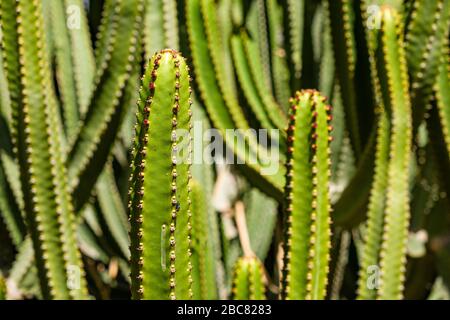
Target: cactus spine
{"x":159,"y":207}
{"x":248,"y":281}
{"x":307,"y":207}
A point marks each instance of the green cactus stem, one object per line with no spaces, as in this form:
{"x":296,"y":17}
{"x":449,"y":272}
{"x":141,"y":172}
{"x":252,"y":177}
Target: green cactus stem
{"x":83,"y":60}
{"x":375,"y":214}
{"x":393,"y":77}
{"x":296,"y":24}
{"x":161,"y":26}
{"x":118,"y":49}
{"x":251,"y":77}
{"x":204,"y":283}
{"x":307,"y":207}
{"x":64,"y":68}
{"x":426,"y":36}
{"x":341,"y":21}
{"x":39,"y":148}
{"x":159,"y":207}
{"x":10,"y":211}
{"x":439,"y":122}
{"x":248,"y":280}
{"x":220,"y":98}
{"x":442,"y":92}
{"x":278,"y":57}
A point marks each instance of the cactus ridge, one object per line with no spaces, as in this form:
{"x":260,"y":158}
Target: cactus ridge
{"x":160,"y":217}
{"x":307,"y":199}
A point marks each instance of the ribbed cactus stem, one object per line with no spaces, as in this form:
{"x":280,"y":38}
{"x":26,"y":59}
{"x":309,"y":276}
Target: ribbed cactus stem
{"x":248,"y":281}
{"x":39,"y":147}
{"x":393,"y":76}
{"x":426,"y":36}
{"x":307,"y":206}
{"x":204,"y":283}
{"x":370,"y":257}
{"x":159,"y":207}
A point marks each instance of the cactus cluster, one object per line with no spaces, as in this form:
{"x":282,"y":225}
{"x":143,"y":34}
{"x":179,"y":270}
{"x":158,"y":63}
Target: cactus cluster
{"x":112,"y":110}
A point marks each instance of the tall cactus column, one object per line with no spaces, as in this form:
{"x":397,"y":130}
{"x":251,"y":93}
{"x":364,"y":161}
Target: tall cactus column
{"x":307,"y":207}
{"x":393,"y":76}
{"x":159,"y":193}
{"x":39,"y":147}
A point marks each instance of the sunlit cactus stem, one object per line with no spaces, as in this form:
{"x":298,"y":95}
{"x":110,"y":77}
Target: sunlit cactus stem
{"x":393,"y":76}
{"x":248,"y":281}
{"x":159,"y":207}
{"x":307,"y":206}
